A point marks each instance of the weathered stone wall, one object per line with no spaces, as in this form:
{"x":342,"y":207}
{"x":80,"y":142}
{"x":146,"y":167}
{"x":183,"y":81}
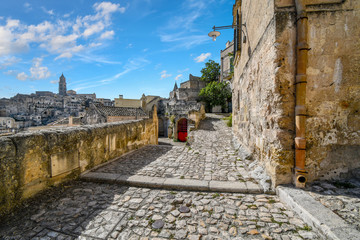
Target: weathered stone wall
{"x":263,"y":100}
{"x":31,"y":162}
{"x":333,"y":90}
{"x":120,"y":118}
{"x":264,"y":96}
{"x":121,"y":102}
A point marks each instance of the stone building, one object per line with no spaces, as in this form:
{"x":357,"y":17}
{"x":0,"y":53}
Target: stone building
{"x":62,"y":85}
{"x":188,"y":91}
{"x":296,"y":97}
{"x":226,"y":64}
{"x":98,"y":113}
{"x":181,"y":112}
{"x":124,"y":102}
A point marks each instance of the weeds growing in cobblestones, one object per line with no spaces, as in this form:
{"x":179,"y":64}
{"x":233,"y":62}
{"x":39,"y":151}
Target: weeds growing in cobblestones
{"x":215,"y":195}
{"x":182,"y":177}
{"x":274,"y":221}
{"x":150,"y":222}
{"x":209,"y":211}
{"x":305,"y":228}
{"x":252,"y":206}
{"x":271,"y":201}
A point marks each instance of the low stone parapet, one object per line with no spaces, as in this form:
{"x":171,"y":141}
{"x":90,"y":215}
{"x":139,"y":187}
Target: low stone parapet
{"x":32,"y":161}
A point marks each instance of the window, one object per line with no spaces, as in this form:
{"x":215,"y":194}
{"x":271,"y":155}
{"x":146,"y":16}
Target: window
{"x":237,"y":34}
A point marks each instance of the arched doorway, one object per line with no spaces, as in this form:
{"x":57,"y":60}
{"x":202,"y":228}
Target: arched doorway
{"x":161,"y":128}
{"x":182,"y":130}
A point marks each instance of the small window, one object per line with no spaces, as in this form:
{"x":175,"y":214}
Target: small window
{"x":237,"y":34}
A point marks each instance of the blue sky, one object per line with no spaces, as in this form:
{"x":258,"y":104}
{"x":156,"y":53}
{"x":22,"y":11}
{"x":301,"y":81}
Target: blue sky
{"x":127,"y":47}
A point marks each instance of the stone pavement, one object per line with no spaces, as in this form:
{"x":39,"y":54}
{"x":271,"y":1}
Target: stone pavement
{"x":333,"y":207}
{"x":92,"y":210}
{"x":341,"y":197}
{"x":84,"y":210}
{"x":209,"y":163}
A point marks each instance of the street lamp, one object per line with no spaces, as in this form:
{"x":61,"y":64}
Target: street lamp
{"x":214,"y":34}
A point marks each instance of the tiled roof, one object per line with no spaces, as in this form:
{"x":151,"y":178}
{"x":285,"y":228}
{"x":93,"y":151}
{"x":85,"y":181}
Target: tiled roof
{"x":120,"y":111}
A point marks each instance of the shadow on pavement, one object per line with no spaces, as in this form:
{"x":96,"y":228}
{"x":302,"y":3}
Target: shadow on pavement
{"x":66,"y":212}
{"x":207,"y":124}
{"x":131,"y":163}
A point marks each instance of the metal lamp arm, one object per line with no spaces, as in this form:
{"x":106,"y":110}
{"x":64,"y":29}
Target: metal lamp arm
{"x":229,"y":27}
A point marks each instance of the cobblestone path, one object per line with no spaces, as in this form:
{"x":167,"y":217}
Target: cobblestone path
{"x":86,"y":210}
{"x":89,"y":210}
{"x":210,"y":157}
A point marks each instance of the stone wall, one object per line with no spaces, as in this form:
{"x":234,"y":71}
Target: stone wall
{"x":263,"y":100}
{"x":264,"y":93}
{"x":121,"y":102}
{"x":120,"y":118}
{"x":31,"y":162}
{"x":333,"y":90}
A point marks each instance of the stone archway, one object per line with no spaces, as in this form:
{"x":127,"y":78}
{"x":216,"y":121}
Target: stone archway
{"x":161,"y":128}
{"x":182,"y":129}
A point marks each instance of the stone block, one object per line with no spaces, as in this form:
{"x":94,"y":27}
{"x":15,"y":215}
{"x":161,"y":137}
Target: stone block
{"x":64,"y":162}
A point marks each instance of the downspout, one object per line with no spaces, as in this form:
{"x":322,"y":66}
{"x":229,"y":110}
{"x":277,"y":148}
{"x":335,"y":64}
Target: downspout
{"x":302,"y":49}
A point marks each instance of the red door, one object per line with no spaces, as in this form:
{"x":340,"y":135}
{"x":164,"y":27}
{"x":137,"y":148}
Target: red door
{"x":182,"y":130}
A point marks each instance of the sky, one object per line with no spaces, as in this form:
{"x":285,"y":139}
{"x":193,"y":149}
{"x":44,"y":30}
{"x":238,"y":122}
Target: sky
{"x":111,"y":48}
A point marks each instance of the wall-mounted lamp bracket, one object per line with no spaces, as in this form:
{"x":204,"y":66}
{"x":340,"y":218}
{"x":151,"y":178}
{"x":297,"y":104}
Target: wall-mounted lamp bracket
{"x":214,"y":34}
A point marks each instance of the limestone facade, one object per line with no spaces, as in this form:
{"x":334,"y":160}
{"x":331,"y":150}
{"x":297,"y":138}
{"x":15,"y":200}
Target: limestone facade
{"x":264,"y":92}
{"x":226,"y":64}
{"x":123,"y":102}
{"x":188,"y":91}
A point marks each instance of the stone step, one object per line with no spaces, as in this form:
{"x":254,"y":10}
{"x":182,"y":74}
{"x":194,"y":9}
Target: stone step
{"x":174,"y":183}
{"x":317,"y":215}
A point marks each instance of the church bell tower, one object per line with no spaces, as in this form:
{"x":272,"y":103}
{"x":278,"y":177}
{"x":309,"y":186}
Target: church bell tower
{"x":62,"y":85}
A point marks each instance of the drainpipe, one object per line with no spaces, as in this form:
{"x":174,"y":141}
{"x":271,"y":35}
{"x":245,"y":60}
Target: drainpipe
{"x":302,"y":49}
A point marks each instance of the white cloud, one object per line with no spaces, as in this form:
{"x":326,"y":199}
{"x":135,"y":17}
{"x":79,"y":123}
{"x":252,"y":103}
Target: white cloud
{"x":93,"y":29}
{"x":181,"y":29}
{"x":107,"y":35}
{"x":131,"y":65}
{"x":64,"y":55}
{"x":93,"y":45}
{"x":182,"y":40}
{"x":8,"y":61}
{"x":202,"y":57}
{"x":130,"y":45}
{"x":184,"y":70}
{"x":22,"y":76}
{"x":37,"y":71}
{"x":107,"y":8}
{"x":61,"y":37}
{"x":27,"y":6}
{"x":9,"y":42}
{"x":164,"y":74}
{"x":178,"y":77}
{"x":66,"y":15}
{"x":50,"y":12}
{"x":54,"y":81}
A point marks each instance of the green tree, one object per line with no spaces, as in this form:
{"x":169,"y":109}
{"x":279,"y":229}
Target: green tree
{"x":214,"y":94}
{"x":211,"y":72}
